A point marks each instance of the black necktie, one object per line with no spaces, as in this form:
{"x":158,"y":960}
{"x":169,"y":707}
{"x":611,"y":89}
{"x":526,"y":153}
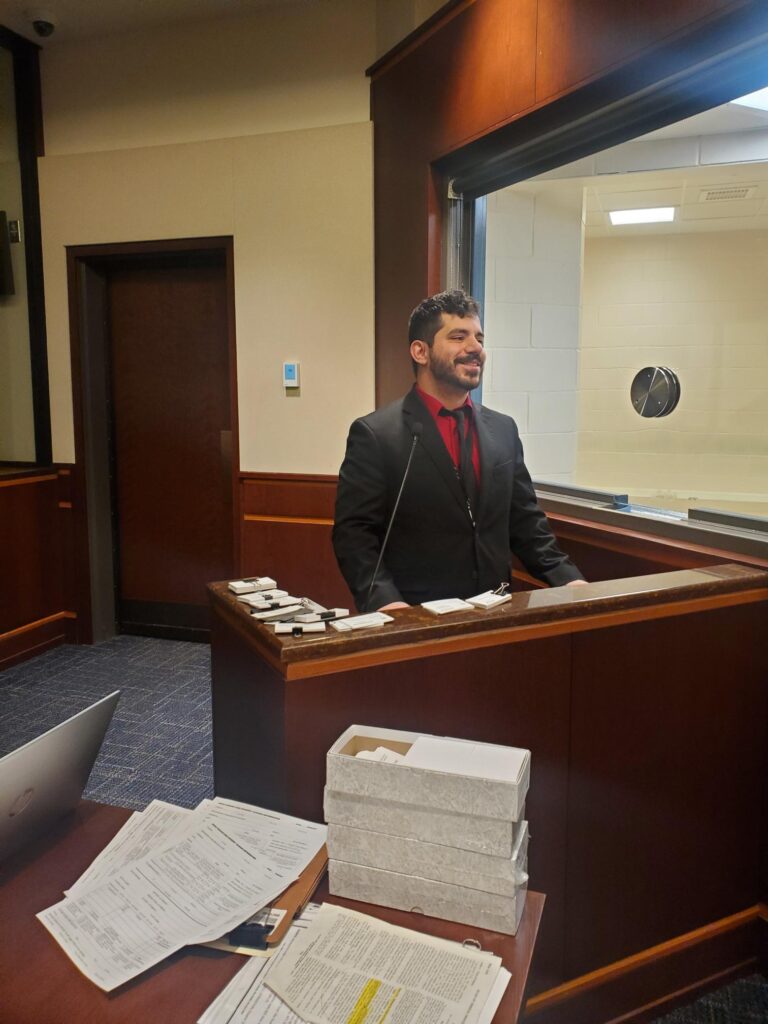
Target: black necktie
{"x":463,"y":420}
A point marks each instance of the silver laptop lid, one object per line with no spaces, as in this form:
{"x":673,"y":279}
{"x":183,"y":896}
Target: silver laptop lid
{"x":46,"y":777}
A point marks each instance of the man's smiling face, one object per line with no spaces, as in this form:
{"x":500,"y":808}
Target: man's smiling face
{"x":456,"y":356}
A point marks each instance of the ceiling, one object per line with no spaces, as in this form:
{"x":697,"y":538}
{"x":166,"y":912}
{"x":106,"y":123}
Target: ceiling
{"x":80,"y":18}
{"x":723,"y":197}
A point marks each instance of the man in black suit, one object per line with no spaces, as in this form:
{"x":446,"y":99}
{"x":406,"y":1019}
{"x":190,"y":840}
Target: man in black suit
{"x":467,"y":504}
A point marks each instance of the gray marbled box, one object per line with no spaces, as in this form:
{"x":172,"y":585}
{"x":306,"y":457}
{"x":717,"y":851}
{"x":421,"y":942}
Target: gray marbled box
{"x":422,"y":895}
{"x":500,"y":875}
{"x":491,"y":798}
{"x":492,"y":836}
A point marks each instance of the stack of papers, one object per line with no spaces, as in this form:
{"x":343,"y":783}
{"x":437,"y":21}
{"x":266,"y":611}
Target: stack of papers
{"x":338,"y":965}
{"x":173,"y":878}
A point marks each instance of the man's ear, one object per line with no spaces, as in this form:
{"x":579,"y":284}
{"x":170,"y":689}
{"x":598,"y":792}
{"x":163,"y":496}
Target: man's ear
{"x":419,"y":352}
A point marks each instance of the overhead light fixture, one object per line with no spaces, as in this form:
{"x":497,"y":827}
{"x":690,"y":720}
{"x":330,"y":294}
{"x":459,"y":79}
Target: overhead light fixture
{"x":758,"y":100}
{"x":654,"y":215}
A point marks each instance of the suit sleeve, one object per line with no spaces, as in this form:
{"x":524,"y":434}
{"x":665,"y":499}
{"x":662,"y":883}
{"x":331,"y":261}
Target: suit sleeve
{"x":362,"y":511}
{"x":530,"y":535}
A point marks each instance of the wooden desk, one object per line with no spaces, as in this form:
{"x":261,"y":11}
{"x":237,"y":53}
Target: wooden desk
{"x":40,"y":985}
{"x":644,"y":703}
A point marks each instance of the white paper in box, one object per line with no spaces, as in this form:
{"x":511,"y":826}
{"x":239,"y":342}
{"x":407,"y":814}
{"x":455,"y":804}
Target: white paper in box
{"x":502,"y":799}
{"x":500,"y":875}
{"x":422,"y":895}
{"x":466,"y":831}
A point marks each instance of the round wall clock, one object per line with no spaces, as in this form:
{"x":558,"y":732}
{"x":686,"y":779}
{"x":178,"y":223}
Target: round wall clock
{"x":655,"y":391}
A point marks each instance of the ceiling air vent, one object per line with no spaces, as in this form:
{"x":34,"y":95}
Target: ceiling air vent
{"x":726,"y":193}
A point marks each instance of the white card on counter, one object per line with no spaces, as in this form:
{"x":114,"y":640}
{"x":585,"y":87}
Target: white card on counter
{"x":361,"y":621}
{"x":252,"y":584}
{"x":305,"y":627}
{"x":275,"y":614}
{"x":489,"y":599}
{"x":447,"y":605}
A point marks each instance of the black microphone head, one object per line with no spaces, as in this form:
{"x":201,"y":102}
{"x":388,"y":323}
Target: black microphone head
{"x":418,"y":426}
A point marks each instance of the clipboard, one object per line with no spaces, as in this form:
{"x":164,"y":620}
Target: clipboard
{"x":259,"y":940}
{"x":297,"y":895}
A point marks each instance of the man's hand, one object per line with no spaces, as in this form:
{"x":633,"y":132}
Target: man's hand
{"x":576,"y":583}
{"x":394,"y":604}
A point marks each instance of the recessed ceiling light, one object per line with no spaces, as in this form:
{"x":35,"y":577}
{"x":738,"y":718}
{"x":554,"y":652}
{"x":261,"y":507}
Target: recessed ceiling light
{"x":655,"y":215}
{"x":758,"y":99}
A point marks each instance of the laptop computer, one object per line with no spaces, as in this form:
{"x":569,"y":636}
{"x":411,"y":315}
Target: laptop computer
{"x":45,"y":778}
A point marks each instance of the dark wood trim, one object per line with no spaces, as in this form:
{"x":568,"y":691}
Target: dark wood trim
{"x":156,"y":246}
{"x":81,"y":590}
{"x":291,"y":478}
{"x":35,"y":637}
{"x":651,"y":983}
{"x":669,"y":552}
{"x":29,"y":129}
{"x":408,"y":43}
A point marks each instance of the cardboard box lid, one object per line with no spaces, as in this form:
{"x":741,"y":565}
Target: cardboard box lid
{"x":467,"y":790}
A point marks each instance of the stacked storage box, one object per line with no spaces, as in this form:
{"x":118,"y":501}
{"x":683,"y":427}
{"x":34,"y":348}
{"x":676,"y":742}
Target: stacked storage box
{"x":439,"y":842}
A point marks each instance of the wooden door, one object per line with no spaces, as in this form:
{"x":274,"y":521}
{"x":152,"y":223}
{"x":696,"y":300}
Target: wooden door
{"x":172,"y":485}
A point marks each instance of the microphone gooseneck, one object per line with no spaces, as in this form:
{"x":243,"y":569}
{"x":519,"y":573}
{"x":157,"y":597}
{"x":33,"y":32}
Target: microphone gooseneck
{"x":416,"y":432}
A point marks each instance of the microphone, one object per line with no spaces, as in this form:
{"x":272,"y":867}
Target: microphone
{"x":417,"y":429}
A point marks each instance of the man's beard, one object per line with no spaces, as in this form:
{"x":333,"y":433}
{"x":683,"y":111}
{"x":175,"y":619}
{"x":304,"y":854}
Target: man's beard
{"x":447,"y":372}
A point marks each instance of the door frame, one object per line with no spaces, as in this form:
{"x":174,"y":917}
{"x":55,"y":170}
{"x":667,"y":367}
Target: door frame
{"x":99,"y":257}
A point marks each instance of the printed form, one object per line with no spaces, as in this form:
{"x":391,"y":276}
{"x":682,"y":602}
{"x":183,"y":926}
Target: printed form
{"x":219,"y":870}
{"x":347,"y":968}
{"x":247,"y":999}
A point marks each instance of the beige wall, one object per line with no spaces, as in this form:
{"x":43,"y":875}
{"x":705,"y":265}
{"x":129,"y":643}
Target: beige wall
{"x":282,"y":68}
{"x":697,"y":303}
{"x":256,"y":128}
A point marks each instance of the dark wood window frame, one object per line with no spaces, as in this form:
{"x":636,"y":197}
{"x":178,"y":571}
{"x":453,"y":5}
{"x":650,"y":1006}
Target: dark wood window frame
{"x":29,"y":123}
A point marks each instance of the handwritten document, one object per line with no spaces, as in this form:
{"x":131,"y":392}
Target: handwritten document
{"x":227,"y":861}
{"x":348,"y":968}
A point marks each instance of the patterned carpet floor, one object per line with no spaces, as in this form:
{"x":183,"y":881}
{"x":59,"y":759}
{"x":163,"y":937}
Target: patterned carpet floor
{"x":159,"y":747}
{"x":159,"y":743}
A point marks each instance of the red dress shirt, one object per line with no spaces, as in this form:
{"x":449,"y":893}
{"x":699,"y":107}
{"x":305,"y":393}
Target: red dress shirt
{"x":449,"y":430}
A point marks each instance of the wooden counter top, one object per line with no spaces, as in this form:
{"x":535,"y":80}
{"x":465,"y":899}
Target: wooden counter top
{"x":552,"y":610}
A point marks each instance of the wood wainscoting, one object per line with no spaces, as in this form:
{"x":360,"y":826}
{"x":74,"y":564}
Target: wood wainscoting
{"x":37,"y":608}
{"x":286,"y":522}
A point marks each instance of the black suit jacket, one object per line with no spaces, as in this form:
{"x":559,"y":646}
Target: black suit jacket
{"x":434,"y":550}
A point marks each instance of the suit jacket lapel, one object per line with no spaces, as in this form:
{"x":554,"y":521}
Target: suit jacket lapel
{"x":414,"y":411}
{"x":488,"y":459}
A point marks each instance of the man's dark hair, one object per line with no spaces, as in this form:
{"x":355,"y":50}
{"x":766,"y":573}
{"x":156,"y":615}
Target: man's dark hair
{"x":425,"y":321}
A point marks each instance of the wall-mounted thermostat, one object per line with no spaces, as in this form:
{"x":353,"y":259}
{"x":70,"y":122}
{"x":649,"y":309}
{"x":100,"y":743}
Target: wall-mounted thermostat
{"x":290,"y":375}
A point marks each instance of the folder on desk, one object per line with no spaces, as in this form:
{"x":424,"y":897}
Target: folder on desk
{"x":257,"y":935}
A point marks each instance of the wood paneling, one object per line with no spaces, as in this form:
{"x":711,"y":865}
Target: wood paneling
{"x":35,"y":563}
{"x":667,"y":755}
{"x":577,"y":41}
{"x":30,"y":552}
{"x":286,"y":534}
{"x":649,"y":736}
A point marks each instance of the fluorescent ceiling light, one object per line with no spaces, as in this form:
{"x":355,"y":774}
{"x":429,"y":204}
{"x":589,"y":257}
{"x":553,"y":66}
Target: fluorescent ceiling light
{"x":758,"y":99}
{"x":656,"y":215}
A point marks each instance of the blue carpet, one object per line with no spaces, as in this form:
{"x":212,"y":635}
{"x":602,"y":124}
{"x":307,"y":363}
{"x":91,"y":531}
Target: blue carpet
{"x":742,"y":1002}
{"x":159,"y":743}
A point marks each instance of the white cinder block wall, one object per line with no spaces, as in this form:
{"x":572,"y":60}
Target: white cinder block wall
{"x":534,"y":249}
{"x":697,"y":303}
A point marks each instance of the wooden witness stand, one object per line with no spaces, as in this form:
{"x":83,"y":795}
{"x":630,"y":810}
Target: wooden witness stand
{"x":644,"y":704}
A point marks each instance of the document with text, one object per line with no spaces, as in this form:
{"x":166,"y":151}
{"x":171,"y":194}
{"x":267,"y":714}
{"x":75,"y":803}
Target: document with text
{"x":350,"y":967}
{"x":205,"y":882}
{"x":144,"y":833}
